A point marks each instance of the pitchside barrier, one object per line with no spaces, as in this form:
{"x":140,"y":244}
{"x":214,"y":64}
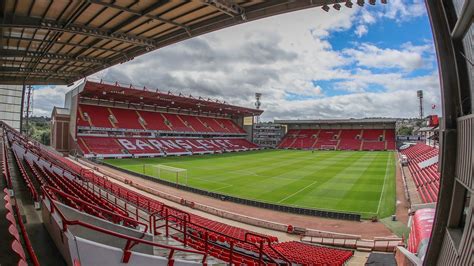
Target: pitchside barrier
{"x":266,"y":205}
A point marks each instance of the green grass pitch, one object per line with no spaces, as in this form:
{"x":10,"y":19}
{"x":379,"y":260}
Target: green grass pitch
{"x":357,"y":182}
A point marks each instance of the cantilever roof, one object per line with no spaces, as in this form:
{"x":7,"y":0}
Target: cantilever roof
{"x":130,"y":94}
{"x":58,"y":42}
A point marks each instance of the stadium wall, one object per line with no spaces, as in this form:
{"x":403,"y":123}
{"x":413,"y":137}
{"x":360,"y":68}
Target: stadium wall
{"x":11,"y":105}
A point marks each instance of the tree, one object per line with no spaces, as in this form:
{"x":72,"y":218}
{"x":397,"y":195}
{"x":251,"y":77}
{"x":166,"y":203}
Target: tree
{"x":45,"y":138}
{"x":405,"y":131}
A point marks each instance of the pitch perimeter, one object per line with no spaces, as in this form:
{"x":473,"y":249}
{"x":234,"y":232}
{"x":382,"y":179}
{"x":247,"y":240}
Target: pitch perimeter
{"x":345,"y":181}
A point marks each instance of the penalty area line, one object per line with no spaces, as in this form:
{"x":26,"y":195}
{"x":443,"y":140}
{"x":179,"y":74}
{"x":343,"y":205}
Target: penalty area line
{"x":222,"y":188}
{"x":297,"y":192}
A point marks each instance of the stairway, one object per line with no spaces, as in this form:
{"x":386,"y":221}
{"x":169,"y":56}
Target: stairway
{"x":141,"y":120}
{"x":160,"y":238}
{"x":112,"y":118}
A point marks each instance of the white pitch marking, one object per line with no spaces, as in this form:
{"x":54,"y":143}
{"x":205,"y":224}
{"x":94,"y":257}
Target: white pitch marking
{"x":384,"y":181}
{"x":297,"y":192}
{"x":223,"y":187}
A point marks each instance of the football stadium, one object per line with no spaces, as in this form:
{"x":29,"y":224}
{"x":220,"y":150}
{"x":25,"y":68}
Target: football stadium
{"x":362,"y":182}
{"x":136,"y":175}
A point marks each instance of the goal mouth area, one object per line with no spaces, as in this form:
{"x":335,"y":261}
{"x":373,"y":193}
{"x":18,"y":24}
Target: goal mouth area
{"x":160,"y":170}
{"x":166,"y":168}
{"x":328,"y":147}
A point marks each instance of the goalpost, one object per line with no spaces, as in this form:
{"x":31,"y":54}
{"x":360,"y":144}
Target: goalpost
{"x":165,"y":172}
{"x":328,"y":147}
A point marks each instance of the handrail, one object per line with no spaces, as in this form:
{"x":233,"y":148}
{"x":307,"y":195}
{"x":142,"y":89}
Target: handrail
{"x":130,"y":239}
{"x":167,"y":207}
{"x":98,"y":189}
{"x":130,"y":196}
{"x":187,"y":223}
{"x":96,"y":179}
{"x":77,"y":186}
{"x":28,"y":245}
{"x":269,"y":245}
{"x":6,"y":170}
{"x":48,"y":189}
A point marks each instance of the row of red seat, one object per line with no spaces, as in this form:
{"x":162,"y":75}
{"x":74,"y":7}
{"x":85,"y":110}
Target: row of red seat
{"x":17,"y":236}
{"x":218,"y":232}
{"x":427,"y":178}
{"x":211,"y":225}
{"x":47,"y":176}
{"x":29,"y":184}
{"x":208,"y":226}
{"x":313,"y":255}
{"x":15,"y":244}
{"x":340,"y":139}
{"x":111,"y":117}
{"x":79,"y":197}
{"x":116,"y":146}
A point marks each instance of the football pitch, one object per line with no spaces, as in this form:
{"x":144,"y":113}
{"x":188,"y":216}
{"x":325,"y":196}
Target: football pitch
{"x":357,"y":182}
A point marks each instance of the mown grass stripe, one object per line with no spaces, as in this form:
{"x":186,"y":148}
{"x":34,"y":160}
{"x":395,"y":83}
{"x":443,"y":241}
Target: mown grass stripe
{"x":329,"y":180}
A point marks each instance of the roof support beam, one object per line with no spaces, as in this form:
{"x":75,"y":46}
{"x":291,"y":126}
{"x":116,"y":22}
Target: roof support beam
{"x":226,"y":7}
{"x":33,"y":80}
{"x":143,"y":13}
{"x":22,"y":62}
{"x":52,"y":56}
{"x":37,"y":23}
{"x":95,"y":47}
{"x":17,"y":70}
{"x":465,"y":20}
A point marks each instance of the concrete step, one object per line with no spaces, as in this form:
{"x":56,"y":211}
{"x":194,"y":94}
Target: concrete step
{"x":361,"y":249}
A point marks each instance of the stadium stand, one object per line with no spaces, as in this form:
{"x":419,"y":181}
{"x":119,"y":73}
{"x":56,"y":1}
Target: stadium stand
{"x":340,"y":139}
{"x":423,"y":167}
{"x":94,"y":146}
{"x":144,"y":123}
{"x":350,"y":139}
{"x":69,"y":191}
{"x":107,"y":117}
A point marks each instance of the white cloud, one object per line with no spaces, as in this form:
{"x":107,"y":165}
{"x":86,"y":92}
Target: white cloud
{"x":361,"y":30}
{"x":397,"y":10}
{"x":408,"y":58}
{"x":403,"y":10}
{"x":280,"y":57}
{"x":401,"y":103}
{"x":45,"y":98}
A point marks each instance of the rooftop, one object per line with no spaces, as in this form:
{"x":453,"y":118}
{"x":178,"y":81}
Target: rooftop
{"x":119,"y":93}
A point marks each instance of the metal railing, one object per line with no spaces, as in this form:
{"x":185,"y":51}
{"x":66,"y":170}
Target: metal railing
{"x":131,"y":241}
{"x":182,"y":225}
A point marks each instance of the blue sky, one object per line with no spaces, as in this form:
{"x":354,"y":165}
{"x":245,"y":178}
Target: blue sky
{"x":359,"y":62}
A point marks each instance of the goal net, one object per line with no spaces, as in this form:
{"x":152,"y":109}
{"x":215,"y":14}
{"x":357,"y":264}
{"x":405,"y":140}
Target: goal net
{"x":173,"y":174}
{"x":328,"y":147}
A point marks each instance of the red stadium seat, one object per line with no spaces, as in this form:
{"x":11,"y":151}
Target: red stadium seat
{"x":426,"y":178}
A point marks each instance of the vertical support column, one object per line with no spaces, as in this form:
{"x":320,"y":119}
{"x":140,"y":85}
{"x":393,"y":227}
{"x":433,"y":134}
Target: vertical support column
{"x":22,"y":105}
{"x":442,"y":15}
